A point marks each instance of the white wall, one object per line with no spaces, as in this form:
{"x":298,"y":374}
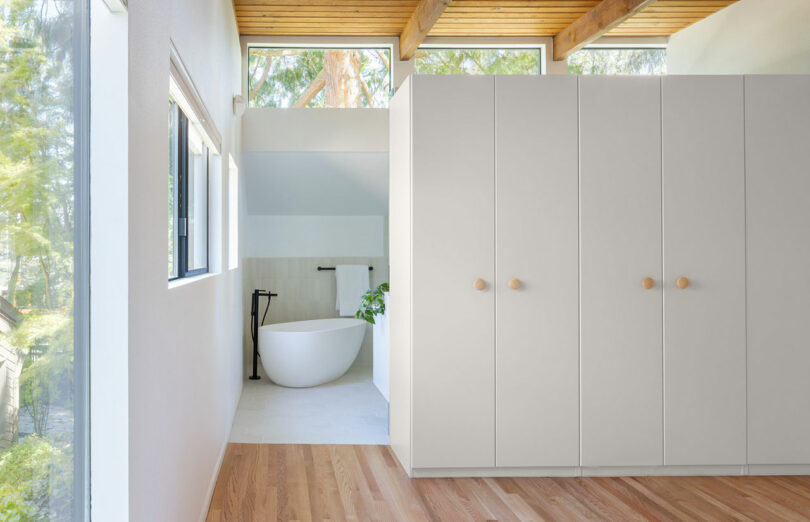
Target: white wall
{"x":333,"y":130}
{"x":109,"y":251}
{"x":749,"y":37}
{"x":316,"y":183}
{"x":185,"y":355}
{"x":313,"y":236}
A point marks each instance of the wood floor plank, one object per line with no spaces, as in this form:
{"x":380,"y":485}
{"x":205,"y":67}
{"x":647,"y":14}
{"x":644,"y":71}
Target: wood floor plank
{"x":699,"y":505}
{"x":783,"y":502}
{"x":496,"y":508}
{"x":665,"y":501}
{"x":264,"y":482}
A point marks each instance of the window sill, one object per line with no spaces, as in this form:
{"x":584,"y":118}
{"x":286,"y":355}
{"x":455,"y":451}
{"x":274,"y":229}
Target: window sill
{"x":189,"y":280}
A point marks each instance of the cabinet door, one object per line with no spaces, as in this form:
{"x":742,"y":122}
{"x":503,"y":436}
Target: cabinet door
{"x":704,"y":242}
{"x":453,"y":245}
{"x":620,"y":245}
{"x":777,"y":129}
{"x":537,"y":339}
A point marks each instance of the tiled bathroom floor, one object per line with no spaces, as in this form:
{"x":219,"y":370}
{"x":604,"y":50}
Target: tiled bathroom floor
{"x":349,"y":410}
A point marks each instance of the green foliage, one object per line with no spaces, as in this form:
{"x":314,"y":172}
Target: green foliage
{"x":47,"y":374}
{"x":618,"y":61}
{"x":373,"y":303}
{"x":13,"y":507}
{"x":36,"y":153}
{"x":279,"y":77}
{"x":477,"y":61}
{"x":35,"y":481}
{"x":36,"y":244}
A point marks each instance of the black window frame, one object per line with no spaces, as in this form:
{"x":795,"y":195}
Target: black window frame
{"x":181,"y":193}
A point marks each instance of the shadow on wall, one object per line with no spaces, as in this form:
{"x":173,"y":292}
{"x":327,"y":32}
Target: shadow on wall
{"x":303,"y":293}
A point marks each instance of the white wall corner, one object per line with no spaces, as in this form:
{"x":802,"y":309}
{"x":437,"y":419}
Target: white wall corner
{"x":109,"y":252}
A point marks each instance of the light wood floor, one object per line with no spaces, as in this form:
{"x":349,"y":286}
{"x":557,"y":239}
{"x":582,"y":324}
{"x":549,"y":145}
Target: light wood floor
{"x":263,"y":482}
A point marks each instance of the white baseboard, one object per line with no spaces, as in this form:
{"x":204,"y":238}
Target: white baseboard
{"x":213,"y":482}
{"x":663,"y":471}
{"x":615,"y":471}
{"x":495,"y":472}
{"x":779,"y":469}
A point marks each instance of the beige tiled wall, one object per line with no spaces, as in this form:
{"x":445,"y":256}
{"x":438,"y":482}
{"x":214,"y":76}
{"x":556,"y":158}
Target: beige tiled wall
{"x":303,"y":292}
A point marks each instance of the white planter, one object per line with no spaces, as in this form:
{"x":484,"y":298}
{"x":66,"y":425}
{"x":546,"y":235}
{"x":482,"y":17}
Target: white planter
{"x":381,"y":352}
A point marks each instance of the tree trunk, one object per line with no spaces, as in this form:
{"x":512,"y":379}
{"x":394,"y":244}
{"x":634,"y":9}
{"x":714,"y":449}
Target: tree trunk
{"x":268,"y":64}
{"x":342,"y":70}
{"x":12,"y":282}
{"x":315,"y":86}
{"x":46,"y":277}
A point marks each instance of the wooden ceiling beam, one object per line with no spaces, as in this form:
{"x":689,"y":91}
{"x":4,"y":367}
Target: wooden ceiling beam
{"x":419,"y":25}
{"x":593,"y":24}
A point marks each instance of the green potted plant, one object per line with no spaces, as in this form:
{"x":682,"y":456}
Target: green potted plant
{"x":373,"y":310}
{"x":372,"y":304}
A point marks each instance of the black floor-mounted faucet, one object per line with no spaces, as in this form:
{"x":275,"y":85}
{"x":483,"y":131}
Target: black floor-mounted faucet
{"x":254,"y":326}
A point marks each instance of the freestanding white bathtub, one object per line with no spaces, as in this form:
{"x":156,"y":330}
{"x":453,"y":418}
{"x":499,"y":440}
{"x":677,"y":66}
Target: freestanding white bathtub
{"x":309,"y":353}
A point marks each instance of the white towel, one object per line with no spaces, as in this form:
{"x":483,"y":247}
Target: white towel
{"x":352,"y":283}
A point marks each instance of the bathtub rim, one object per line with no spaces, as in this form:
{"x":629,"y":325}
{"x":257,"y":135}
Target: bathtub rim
{"x":340,"y":323}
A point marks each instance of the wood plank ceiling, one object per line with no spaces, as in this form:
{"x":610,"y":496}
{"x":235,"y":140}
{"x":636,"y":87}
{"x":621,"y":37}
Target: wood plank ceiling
{"x":467,"y":18}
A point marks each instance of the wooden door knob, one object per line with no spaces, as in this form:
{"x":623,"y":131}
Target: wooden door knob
{"x":479,"y":284}
{"x":682,"y":282}
{"x":514,"y":284}
{"x":647,"y":283}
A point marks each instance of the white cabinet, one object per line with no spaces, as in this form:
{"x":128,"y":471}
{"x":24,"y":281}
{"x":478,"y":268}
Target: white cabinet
{"x":593,"y":196}
{"x":447,"y":181}
{"x":777,"y":128}
{"x":453,"y":205}
{"x":537,"y":339}
{"x":704,"y":243}
{"x":620,"y":245}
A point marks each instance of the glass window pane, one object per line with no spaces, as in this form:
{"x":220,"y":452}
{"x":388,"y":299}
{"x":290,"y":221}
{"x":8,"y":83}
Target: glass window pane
{"x":345,"y":78}
{"x":172,"y":230}
{"x":477,"y":61}
{"x":233,"y":215}
{"x":618,"y":61}
{"x":36,"y":260}
{"x":197,"y":201}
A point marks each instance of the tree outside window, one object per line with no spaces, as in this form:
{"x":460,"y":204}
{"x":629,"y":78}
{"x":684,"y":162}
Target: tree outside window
{"x":36,"y":259}
{"x":618,"y":61}
{"x":477,"y":61}
{"x":340,"y":78}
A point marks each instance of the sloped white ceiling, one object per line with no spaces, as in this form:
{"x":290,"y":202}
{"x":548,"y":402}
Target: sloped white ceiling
{"x":305,"y":183}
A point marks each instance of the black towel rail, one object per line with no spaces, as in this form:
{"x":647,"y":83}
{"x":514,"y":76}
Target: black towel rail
{"x":322,"y":268}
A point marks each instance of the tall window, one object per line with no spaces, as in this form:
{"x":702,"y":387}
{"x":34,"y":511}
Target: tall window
{"x":43,"y":231}
{"x":188,"y":196}
{"x":477,"y":61}
{"x":233,"y":214}
{"x":308,"y":77}
{"x":596,"y":60}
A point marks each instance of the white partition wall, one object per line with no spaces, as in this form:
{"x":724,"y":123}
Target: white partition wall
{"x":704,"y":243}
{"x":399,"y":417}
{"x":537,"y":339}
{"x":620,"y":245}
{"x":777,"y":129}
{"x":453,"y":222}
